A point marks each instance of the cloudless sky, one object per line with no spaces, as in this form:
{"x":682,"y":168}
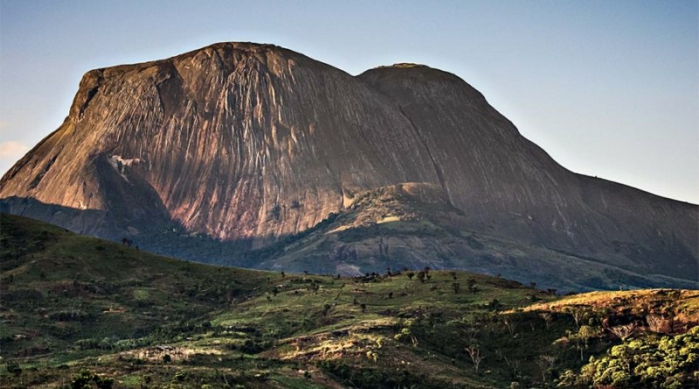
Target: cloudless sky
{"x":607,"y":88}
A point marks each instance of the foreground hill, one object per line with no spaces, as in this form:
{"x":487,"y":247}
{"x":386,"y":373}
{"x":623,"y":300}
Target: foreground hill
{"x":78,"y":309}
{"x":241,"y":146}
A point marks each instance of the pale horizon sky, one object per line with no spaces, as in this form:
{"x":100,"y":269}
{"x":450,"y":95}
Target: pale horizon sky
{"x":608,"y":89}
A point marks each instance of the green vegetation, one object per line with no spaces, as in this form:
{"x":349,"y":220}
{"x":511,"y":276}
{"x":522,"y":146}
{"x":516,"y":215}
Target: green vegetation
{"x":649,"y":362}
{"x":81,"y":312}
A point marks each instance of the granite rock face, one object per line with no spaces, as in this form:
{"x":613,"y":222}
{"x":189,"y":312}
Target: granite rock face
{"x":253,"y":144}
{"x":513,"y":188}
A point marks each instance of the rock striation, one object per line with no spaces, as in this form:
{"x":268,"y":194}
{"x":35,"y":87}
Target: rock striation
{"x":248,"y":145}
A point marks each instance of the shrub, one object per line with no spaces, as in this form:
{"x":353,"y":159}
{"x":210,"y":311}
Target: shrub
{"x":13,"y":368}
{"x":82,"y":381}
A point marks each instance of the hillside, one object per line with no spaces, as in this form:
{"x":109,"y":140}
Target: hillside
{"x":73,"y":304}
{"x":406,"y":225}
{"x":219,"y":154}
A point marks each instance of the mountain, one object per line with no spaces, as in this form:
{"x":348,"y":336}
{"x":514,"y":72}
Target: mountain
{"x":80,"y":309}
{"x":255,"y":155}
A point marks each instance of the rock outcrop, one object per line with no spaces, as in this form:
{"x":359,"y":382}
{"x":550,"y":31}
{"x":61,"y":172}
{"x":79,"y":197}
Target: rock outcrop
{"x":249,"y":145}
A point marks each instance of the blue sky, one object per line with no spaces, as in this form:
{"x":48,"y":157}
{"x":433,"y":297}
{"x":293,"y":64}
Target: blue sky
{"x":607,"y":88}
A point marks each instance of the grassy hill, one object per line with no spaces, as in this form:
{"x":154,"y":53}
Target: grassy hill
{"x":78,"y":310}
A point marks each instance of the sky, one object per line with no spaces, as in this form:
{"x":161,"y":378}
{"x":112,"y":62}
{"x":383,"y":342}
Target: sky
{"x":607,"y":88}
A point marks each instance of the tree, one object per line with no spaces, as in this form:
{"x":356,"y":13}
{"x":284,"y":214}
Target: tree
{"x":82,"y":381}
{"x":410,"y":275}
{"x":13,"y":368}
{"x":314,"y":287}
{"x":421,"y":276}
{"x":511,"y":325}
{"x":582,"y":338}
{"x":578,"y":315}
{"x":476,"y":357}
{"x":513,"y":365}
{"x":545,"y":362}
{"x":547,"y":317}
{"x":471,"y":285}
{"x":103,"y":382}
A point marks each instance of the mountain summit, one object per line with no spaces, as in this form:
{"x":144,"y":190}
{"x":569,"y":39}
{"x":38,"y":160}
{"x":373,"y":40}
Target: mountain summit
{"x":267,"y":158}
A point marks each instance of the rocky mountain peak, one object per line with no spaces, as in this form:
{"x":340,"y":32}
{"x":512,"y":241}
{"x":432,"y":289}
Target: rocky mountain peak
{"x":253,"y":144}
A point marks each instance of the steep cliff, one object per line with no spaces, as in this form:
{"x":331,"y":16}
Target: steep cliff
{"x":241,"y":145}
{"x":235,"y":141}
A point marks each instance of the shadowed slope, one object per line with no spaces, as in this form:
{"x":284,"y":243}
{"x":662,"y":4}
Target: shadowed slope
{"x":508,"y":186}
